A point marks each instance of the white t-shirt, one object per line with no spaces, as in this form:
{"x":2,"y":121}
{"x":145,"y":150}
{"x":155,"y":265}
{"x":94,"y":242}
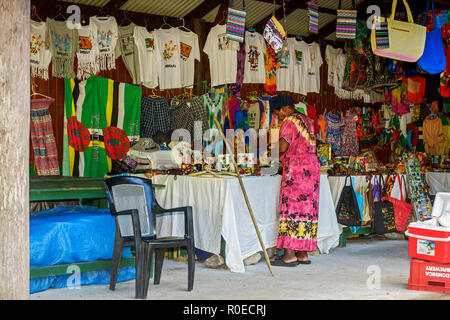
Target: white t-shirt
{"x":285,"y":72}
{"x":107,"y":35}
{"x":146,"y":52}
{"x":222,"y":59}
{"x":299,"y":53}
{"x":313,"y":78}
{"x":255,"y":47}
{"x":168,"y":57}
{"x":40,"y":57}
{"x":332,"y":56}
{"x":88,"y":52}
{"x":189,"y":51}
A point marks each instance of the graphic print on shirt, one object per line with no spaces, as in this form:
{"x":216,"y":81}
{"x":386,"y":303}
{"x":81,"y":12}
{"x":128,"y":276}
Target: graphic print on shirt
{"x":169,"y":50}
{"x":223,"y":41}
{"x":104,"y":40}
{"x":127,"y":43}
{"x":253,"y":56}
{"x":36,"y":44}
{"x":284,"y":63}
{"x":185,"y":51}
{"x":85,"y":44}
{"x":298,"y":56}
{"x":150,"y":44}
{"x":61,"y":43}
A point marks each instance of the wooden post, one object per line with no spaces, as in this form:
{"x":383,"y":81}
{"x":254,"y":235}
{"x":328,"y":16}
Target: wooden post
{"x":14,"y":149}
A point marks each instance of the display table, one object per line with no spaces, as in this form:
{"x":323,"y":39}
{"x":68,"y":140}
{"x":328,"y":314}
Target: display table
{"x":438,"y":182}
{"x":219,"y":210}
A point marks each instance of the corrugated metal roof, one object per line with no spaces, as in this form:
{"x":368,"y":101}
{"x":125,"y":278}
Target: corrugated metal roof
{"x":297,"y":21}
{"x":170,"y":8}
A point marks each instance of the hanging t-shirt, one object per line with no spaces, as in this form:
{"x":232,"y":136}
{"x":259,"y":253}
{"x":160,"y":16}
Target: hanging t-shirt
{"x":254,"y":113}
{"x":332,"y":58}
{"x":189,"y":51}
{"x":300,"y":65}
{"x":255,"y":47}
{"x":87,"y":52}
{"x":107,"y":35}
{"x":313,"y":78}
{"x":214,"y":107}
{"x":285,"y":71}
{"x":146,"y":57}
{"x":40,"y":57}
{"x":63,"y":45}
{"x":168,"y":57}
{"x":222,"y":58}
{"x":126,"y":49}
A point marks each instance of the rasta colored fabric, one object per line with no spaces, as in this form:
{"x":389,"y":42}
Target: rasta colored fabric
{"x":42,"y":138}
{"x":102,"y":121}
{"x":299,"y":195}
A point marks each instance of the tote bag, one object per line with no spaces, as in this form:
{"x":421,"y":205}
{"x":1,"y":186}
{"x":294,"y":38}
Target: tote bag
{"x":402,"y":209}
{"x":236,"y":23}
{"x":347,"y":210}
{"x":274,"y":32}
{"x":433,"y":58}
{"x":346,"y":22}
{"x":384,"y":218}
{"x":406,"y":39}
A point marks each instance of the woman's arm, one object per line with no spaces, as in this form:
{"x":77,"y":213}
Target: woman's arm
{"x":284,"y":146}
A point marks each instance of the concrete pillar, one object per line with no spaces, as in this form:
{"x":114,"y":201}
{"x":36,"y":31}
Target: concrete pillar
{"x":14,"y":148}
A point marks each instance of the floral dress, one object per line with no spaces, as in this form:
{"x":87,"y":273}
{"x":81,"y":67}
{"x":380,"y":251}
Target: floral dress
{"x":299,"y":195}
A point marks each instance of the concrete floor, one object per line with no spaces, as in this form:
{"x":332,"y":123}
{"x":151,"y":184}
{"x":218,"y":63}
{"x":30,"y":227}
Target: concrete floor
{"x":340,"y":275}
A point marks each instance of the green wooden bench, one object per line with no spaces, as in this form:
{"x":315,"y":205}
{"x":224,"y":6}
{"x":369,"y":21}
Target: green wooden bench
{"x":89,"y":191}
{"x":347,"y":232}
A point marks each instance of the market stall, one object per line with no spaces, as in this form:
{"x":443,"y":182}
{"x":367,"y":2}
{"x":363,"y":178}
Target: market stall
{"x":137,"y":94}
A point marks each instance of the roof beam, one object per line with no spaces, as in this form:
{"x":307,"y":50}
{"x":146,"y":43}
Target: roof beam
{"x":290,"y":7}
{"x":115,"y":4}
{"x":204,"y":8}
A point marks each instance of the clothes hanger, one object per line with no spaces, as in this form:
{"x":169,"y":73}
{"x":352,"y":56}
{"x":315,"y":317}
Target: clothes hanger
{"x":154,"y":95}
{"x":251,"y":29}
{"x":34,"y":13}
{"x":184,"y":26}
{"x":101,"y":14}
{"x":34,"y":93}
{"x":125,"y":18}
{"x":59,"y":15}
{"x":165,"y":24}
{"x":298,"y":37}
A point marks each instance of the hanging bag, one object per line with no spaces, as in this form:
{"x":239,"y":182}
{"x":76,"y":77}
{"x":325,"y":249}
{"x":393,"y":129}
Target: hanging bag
{"x":274,"y":32}
{"x":402,"y":209}
{"x":384,"y":218}
{"x":406,"y":39}
{"x":346,"y":22}
{"x":236,"y":22}
{"x":313,"y":13}
{"x":347,"y":210}
{"x":433,"y":58}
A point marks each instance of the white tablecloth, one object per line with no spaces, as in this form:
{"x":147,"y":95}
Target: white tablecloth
{"x":219,"y":209}
{"x":438,"y":182}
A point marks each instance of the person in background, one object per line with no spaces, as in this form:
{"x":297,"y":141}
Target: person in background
{"x":299,"y":193}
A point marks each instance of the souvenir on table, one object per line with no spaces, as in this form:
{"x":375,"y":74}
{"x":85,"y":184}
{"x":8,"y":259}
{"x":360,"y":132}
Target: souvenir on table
{"x":245,"y":160}
{"x":223,"y":162}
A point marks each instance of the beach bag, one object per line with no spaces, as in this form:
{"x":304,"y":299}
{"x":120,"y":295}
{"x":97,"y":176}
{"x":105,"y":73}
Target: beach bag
{"x":402,"y":209}
{"x":406,"y":39}
{"x":236,"y":22}
{"x":274,"y":32}
{"x":313,"y":13}
{"x":384,"y":217}
{"x":347,"y":210}
{"x":346,"y":22}
{"x":433,"y":58}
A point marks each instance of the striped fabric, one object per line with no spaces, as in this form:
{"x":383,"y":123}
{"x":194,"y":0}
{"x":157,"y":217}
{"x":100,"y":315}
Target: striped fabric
{"x":313,"y":9}
{"x":236,"y":24}
{"x":382,"y":35}
{"x":98,"y":103}
{"x":346,"y":24}
{"x":274,"y":34}
{"x":42,"y":138}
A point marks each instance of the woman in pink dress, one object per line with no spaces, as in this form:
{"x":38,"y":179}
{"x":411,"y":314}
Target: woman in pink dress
{"x":299,"y":195}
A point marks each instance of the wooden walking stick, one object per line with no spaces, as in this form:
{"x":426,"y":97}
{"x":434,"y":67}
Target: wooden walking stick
{"x":245,"y":196}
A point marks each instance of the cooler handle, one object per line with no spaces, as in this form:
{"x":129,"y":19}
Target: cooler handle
{"x":427,"y":238}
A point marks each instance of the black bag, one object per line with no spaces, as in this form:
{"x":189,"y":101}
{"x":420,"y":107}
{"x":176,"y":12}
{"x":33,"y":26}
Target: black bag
{"x":347,"y":210}
{"x":384,"y":217}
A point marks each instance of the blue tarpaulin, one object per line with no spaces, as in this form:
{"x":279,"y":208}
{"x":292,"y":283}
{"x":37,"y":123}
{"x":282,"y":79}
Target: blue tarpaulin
{"x":73,"y":234}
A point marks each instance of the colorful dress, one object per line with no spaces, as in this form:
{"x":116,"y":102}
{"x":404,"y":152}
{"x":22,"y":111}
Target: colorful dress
{"x":299,"y":196}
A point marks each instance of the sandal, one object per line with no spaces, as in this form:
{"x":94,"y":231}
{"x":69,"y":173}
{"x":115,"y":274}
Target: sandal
{"x":282,"y":263}
{"x":304,"y":262}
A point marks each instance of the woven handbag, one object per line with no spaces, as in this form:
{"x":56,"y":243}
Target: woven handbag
{"x":274,"y":32}
{"x":346,"y":22}
{"x":236,"y":22}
